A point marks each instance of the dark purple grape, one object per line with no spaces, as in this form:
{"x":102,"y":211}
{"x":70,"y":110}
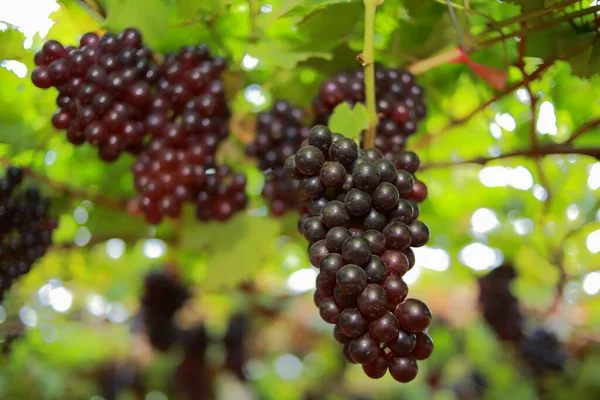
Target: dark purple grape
{"x":377,"y":368}
{"x":397,"y":235}
{"x":364,"y":349}
{"x":357,"y":202}
{"x":413,"y":315}
{"x":376,"y":270}
{"x":309,"y":160}
{"x":352,"y":323}
{"x":333,"y":174}
{"x":423,"y":347}
{"x":403,"y":369}
{"x":351,"y":279}
{"x":336,"y":237}
{"x":356,"y":250}
{"x":329,"y":310}
{"x":376,"y":241}
{"x":420,"y":233}
{"x":372,"y":301}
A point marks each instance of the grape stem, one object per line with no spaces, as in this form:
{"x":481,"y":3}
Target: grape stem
{"x":367,"y":59}
{"x":108,"y":202}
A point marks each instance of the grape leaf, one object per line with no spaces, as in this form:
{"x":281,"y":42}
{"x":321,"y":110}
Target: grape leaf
{"x":234,"y":250}
{"x":11,"y":46}
{"x":303,"y":8}
{"x":349,"y":121}
{"x":277,"y":56}
{"x":149,"y":16}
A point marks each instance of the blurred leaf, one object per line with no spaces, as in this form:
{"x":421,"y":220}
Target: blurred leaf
{"x":350,"y":122}
{"x":152,"y":22}
{"x":11,"y":46}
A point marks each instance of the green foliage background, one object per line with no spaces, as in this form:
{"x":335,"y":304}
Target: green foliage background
{"x":299,"y":43}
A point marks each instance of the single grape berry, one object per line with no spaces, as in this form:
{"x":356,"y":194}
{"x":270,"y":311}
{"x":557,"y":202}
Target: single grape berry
{"x":344,"y":300}
{"x":385,"y":197}
{"x":309,"y":160}
{"x":356,"y":250}
{"x":331,"y":264}
{"x":329,"y":310}
{"x":344,"y":151}
{"x":313,"y":230}
{"x":317,"y":252}
{"x":413,"y":315}
{"x":419,"y":233}
{"x":366,"y":176}
{"x":385,"y":328}
{"x":351,"y":279}
{"x":352,"y":323}
{"x":376,"y":241}
{"x":403,"y":369}
{"x":397,"y":235}
{"x":372,"y":301}
{"x":396,"y":262}
{"x":364,"y":349}
{"x":357,"y":202}
{"x":402,"y":343}
{"x":377,"y":368}
{"x":423,"y":347}
{"x":339,"y":335}
{"x":336,"y":237}
{"x":335,"y":214}
{"x":333,"y":174}
{"x":320,"y":137}
{"x":396,"y":290}
{"x":376,"y":270}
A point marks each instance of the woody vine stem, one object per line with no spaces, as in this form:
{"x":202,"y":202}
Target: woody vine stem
{"x":368,"y":61}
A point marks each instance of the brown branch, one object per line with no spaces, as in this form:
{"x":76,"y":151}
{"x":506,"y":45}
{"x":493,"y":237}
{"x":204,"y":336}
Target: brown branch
{"x":588,"y":126}
{"x":526,"y":17}
{"x":524,"y":32}
{"x":537,"y":153}
{"x":427,"y":138}
{"x":63,"y":188}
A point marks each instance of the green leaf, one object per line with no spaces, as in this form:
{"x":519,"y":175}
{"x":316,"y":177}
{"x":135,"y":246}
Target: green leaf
{"x":277,"y":56}
{"x":305,"y":7}
{"x":149,"y":16}
{"x":11,"y":46}
{"x":350,"y":122}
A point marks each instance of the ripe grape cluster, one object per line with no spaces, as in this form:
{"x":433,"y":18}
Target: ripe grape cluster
{"x":399,"y":102}
{"x":279,"y":133}
{"x":360,"y":226}
{"x":543,"y":352}
{"x":113,"y":96}
{"x":104,"y":89}
{"x":25,"y":228}
{"x":163,"y":296}
{"x":500,"y":308}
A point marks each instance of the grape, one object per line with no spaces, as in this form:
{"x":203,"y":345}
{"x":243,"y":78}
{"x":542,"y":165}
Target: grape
{"x":423,"y":347}
{"x":399,"y":102}
{"x":403,"y":369}
{"x":344,"y":151}
{"x":331,"y":264}
{"x":339,"y":336}
{"x":419,"y":233}
{"x":413,"y":315}
{"x":25,"y":228}
{"x":418,"y":192}
{"x":397,"y":235}
{"x":359,"y":209}
{"x":320,"y":137}
{"x":366,"y":176}
{"x":396,"y":262}
{"x":356,"y":250}
{"x":309,"y":160}
{"x":335,"y":238}
{"x":351,"y":279}
{"x":402,"y":343}
{"x":344,"y":300}
{"x":372,"y":301}
{"x":376,"y":270}
{"x":317,"y":252}
{"x":333,"y":174}
{"x":396,"y":289}
{"x":313,"y":230}
{"x":335,"y":214}
{"x":408,"y":161}
{"x":352,"y":323}
{"x":357,"y":202}
{"x":385,"y":328}
{"x":377,"y":368}
{"x":329,"y":310}
{"x":541,"y":349}
{"x":364,"y":349}
{"x":385,"y":197}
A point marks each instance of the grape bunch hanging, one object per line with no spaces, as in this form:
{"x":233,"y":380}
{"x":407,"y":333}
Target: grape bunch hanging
{"x":360,"y":226}
{"x":279,"y":133}
{"x":399,"y":102}
{"x":173,"y":116}
{"x":25,"y":228}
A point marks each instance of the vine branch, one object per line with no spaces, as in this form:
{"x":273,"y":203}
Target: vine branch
{"x":536,"y":153}
{"x":367,"y":59}
{"x":63,"y":188}
{"x":427,"y":138}
{"x":588,"y":126}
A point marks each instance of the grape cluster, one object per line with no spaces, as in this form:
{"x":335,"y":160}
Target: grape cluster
{"x":234,"y":341}
{"x":187,"y":119}
{"x":399,"y":102}
{"x":542,"y":350}
{"x":279,"y":133}
{"x":193,"y":377}
{"x":25,"y":228}
{"x":105,"y":90}
{"x":112,"y":95}
{"x":500,"y":308}
{"x":162,"y":297}
{"x":360,"y":226}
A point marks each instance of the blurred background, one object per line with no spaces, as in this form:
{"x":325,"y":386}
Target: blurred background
{"x":511,"y":273}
